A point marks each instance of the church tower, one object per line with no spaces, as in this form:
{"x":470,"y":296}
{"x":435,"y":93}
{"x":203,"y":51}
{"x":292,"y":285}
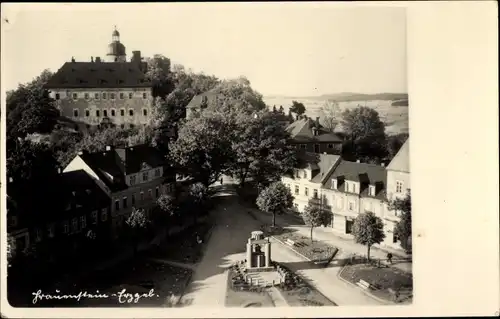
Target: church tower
{"x":116,"y":50}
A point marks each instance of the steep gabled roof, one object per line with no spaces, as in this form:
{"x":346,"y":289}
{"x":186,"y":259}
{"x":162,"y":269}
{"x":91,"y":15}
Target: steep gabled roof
{"x":319,"y":164}
{"x":365,"y":174}
{"x":112,"y":166}
{"x":99,"y":75}
{"x":401,"y":162}
{"x":80,"y":189}
{"x":197,"y":100}
{"x":302,"y":131}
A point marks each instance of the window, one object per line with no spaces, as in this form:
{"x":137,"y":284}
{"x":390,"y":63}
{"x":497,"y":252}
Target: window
{"x":297,"y":174}
{"x":315,"y":193}
{"x":58,"y":96}
{"x":399,"y":187}
{"x":94,"y":217}
{"x":104,"y":95}
{"x":50,"y":230}
{"x":122,"y":112}
{"x":74,"y":225}
{"x":87,"y":113}
{"x":122,"y":96}
{"x":133,"y":199}
{"x":83,"y":221}
{"x":130,"y":95}
{"x":157,"y":172}
{"x":150,"y":193}
{"x":306,"y":191}
{"x":105,"y":113}
{"x":305,"y":174}
{"x":125,"y":203}
{"x":104,"y":215}
{"x":97,"y":113}
{"x":371,"y":190}
{"x":113,"y":112}
{"x":132,"y":179}
{"x":86,"y":96}
{"x":65,"y":227}
{"x":38,"y":235}
{"x":131,"y":125}
{"x":112,"y":96}
{"x":144,"y":95}
{"x":142,"y":196}
{"x":145,"y":176}
{"x":303,"y":146}
{"x":117,"y":204}
{"x":348,"y":226}
{"x":96,"y":96}
{"x":395,"y":237}
{"x":316,"y":148}
{"x":351,"y":206}
{"x":75,"y":113}
{"x":145,"y":112}
{"x":75,"y":96}
{"x":296,"y":190}
{"x":354,"y":187}
{"x":330,"y":146}
{"x":131,"y":112}
{"x":157,"y":192}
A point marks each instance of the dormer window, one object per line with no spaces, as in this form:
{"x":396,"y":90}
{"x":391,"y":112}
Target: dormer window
{"x":371,"y":190}
{"x":305,"y":174}
{"x":334,"y":183}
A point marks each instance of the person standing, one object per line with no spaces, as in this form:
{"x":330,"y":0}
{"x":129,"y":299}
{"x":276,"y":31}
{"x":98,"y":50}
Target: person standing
{"x":389,"y":257}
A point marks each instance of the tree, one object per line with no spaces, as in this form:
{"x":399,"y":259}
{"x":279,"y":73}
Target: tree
{"x":394,"y":143}
{"x":330,"y":114}
{"x":203,"y":147}
{"x":275,"y":199}
{"x":168,"y":204}
{"x":298,"y":108}
{"x":159,"y":74}
{"x":368,"y":229}
{"x":403,"y":227}
{"x":137,"y":223}
{"x":237,"y":95}
{"x":365,"y":131}
{"x":30,"y":109}
{"x":315,"y":216}
{"x":260,"y":148}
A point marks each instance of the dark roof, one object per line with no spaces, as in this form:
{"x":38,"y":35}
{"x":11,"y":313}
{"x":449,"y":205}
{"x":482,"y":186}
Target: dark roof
{"x":122,"y":161}
{"x":81,"y":190}
{"x":365,"y":174}
{"x":302,"y":131}
{"x":319,"y":164}
{"x":99,"y":75}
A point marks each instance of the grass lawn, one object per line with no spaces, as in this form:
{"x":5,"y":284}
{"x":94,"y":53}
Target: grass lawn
{"x":244,"y":298}
{"x":382,"y":279}
{"x":316,"y":251}
{"x":183,"y":247}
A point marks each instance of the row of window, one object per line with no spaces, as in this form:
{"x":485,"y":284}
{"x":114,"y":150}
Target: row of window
{"x":316,"y":147}
{"x":77,"y":224}
{"x":103,"y":96}
{"x":145,"y":176}
{"x":105,"y":112}
{"x":125,"y":201}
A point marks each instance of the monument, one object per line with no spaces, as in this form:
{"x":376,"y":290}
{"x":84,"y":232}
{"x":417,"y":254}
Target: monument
{"x":258,"y":252}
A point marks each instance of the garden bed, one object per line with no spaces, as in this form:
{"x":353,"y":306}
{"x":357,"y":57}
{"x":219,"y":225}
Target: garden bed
{"x":299,"y":293}
{"x":183,"y":247}
{"x":382,"y":280}
{"x":241,"y":295}
{"x":317,"y":251}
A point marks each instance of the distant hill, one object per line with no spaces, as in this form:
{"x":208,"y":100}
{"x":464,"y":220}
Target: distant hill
{"x":350,"y":96}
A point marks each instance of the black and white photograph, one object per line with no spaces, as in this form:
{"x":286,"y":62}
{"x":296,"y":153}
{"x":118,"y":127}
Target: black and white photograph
{"x":208,"y":155}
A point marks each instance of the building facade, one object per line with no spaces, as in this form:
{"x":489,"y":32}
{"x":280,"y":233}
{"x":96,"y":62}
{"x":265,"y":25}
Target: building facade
{"x":346,"y":189}
{"x":309,"y":135}
{"x":111,"y":91}
{"x":133,"y":177}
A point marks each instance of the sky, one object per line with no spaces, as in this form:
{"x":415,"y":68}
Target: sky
{"x":290,"y":49}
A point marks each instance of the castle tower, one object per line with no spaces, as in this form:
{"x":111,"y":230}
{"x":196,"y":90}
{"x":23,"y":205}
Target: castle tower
{"x":116,"y":50}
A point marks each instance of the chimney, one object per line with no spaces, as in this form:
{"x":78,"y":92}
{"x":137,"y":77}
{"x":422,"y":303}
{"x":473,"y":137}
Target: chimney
{"x":80,"y":152}
{"x":315,"y":131}
{"x":59,"y":170}
{"x":72,"y":59}
{"x":91,"y":59}
{"x":317,"y":120}
{"x":108,"y":148}
{"x":97,"y":59}
{"x":334,"y":183}
{"x":136,"y":57}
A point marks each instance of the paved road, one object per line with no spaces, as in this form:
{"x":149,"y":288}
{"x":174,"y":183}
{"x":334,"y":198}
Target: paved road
{"x":227,"y":244}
